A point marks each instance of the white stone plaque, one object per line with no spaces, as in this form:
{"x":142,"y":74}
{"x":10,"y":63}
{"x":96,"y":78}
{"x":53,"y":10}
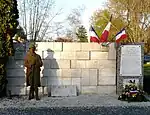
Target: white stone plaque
{"x":131,"y":64}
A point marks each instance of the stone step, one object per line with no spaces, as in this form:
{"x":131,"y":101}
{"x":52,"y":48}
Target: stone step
{"x":63,"y":90}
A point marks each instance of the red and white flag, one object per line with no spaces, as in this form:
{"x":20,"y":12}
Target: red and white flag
{"x":93,"y":35}
{"x":105,"y":33}
{"x":121,"y":35}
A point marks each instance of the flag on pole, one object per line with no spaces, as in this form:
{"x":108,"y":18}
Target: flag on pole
{"x":105,"y":33}
{"x":93,"y":35}
{"x":121,"y":35}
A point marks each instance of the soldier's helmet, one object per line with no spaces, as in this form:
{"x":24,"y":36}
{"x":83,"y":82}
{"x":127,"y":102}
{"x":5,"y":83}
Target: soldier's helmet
{"x":32,"y":45}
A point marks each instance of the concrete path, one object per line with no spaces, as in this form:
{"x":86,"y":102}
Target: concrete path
{"x":80,"y":105}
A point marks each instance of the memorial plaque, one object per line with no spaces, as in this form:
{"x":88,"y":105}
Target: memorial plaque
{"x":130,"y":63}
{"x":19,"y":54}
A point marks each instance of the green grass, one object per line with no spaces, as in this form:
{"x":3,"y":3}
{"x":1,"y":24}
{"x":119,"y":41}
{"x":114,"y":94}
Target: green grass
{"x":146,"y":69}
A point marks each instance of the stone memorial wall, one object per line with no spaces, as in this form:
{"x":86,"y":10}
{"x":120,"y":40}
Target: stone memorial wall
{"x":88,"y":66}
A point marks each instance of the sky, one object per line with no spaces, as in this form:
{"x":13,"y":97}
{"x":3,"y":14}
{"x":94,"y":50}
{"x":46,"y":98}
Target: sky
{"x":67,"y":6}
{"x":90,"y":7}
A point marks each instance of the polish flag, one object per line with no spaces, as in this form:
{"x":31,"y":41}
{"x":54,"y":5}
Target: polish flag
{"x":93,"y":35}
{"x":105,"y":33}
{"x":121,"y":35}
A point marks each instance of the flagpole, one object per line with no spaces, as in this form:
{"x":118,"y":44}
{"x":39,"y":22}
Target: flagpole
{"x":115,"y":28}
{"x":110,"y":21}
{"x":105,"y":43}
{"x":110,"y":18}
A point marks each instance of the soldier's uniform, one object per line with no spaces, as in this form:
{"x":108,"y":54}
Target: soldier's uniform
{"x":33,"y":63}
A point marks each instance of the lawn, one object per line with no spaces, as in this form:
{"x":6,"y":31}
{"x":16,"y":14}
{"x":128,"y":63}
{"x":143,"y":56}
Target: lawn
{"x":146,"y":69}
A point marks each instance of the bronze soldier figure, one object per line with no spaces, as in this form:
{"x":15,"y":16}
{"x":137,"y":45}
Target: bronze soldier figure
{"x":33,"y":63}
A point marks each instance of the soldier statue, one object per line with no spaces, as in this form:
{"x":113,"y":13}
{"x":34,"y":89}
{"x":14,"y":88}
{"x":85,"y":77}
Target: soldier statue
{"x":33,"y":63}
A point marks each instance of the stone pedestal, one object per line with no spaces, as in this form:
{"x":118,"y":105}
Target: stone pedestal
{"x":129,"y":65}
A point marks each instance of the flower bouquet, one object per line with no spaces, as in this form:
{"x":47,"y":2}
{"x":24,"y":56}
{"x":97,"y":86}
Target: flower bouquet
{"x":131,"y":93}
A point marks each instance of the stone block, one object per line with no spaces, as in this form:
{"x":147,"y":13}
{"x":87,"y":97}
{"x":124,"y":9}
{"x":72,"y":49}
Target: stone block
{"x":89,"y":90}
{"x":95,"y":55}
{"x":49,"y":45}
{"x":71,"y":73}
{"x":107,"y":72}
{"x":107,"y":80}
{"x":44,"y":45}
{"x":19,"y":81}
{"x":90,"y":47}
{"x":106,"y":90}
{"x":71,"y":46}
{"x":66,"y":81}
{"x":89,"y":77}
{"x":47,"y":63}
{"x":78,"y":64}
{"x":15,"y":64}
{"x":51,"y":55}
{"x":77,"y":82}
{"x":82,"y":55}
{"x":52,"y":72}
{"x":57,"y":46}
{"x":112,"y":52}
{"x":66,"y":73}
{"x":93,"y":47}
{"x":41,"y":91}
{"x":75,"y":73}
{"x":107,"y":64}
{"x":46,"y":91}
{"x":68,"y":90}
{"x":93,"y":64}
{"x":68,"y":55}
{"x":15,"y":90}
{"x":93,"y":76}
{"x":54,"y":80}
{"x":85,"y":79}
{"x":44,"y":81}
{"x":104,"y":49}
{"x":55,"y":64}
{"x":15,"y":72}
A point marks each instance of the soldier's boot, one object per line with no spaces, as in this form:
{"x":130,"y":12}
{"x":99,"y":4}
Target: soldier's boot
{"x":31,"y":93}
{"x":36,"y":93}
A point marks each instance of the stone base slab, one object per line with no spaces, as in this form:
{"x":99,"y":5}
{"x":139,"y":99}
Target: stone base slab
{"x":63,"y":90}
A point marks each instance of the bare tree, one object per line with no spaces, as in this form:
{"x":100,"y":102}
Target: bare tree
{"x":74,"y":20}
{"x":37,"y":17}
{"x":136,"y":14}
{"x":58,"y":28}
